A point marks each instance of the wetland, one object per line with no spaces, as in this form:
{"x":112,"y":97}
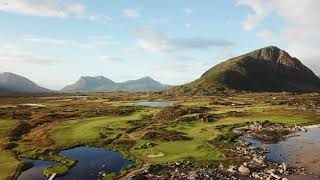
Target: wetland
{"x":108,"y":135}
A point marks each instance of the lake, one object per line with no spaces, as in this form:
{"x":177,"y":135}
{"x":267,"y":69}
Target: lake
{"x":35,"y":173}
{"x":90,"y":161}
{"x":155,"y":104}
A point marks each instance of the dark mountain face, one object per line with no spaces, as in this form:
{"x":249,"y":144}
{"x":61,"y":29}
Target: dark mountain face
{"x":10,"y":83}
{"x":266,"y":69}
{"x":89,"y":84}
{"x":143,"y":84}
{"x":102,"y":84}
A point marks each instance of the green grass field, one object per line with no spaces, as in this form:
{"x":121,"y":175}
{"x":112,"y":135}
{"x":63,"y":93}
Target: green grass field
{"x":177,"y":150}
{"x":196,"y":149}
{"x":88,"y":130}
{"x":8,"y":163}
{"x":111,"y":131}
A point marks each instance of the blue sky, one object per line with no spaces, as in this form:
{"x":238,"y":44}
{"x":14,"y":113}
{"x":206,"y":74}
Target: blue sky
{"x":54,"y":42}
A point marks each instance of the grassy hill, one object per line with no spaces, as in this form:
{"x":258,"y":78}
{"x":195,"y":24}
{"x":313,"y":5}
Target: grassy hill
{"x":267,"y":69}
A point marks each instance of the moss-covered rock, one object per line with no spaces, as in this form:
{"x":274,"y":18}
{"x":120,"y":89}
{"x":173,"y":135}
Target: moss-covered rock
{"x":59,"y":170}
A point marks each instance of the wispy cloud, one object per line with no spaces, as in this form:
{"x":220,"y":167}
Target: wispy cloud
{"x":12,"y":55}
{"x":132,"y":13}
{"x":109,"y":58}
{"x":267,"y":35}
{"x":260,"y":8}
{"x":90,"y":43}
{"x":180,"y":69}
{"x":300,"y":29}
{"x":187,"y":11}
{"x":51,"y":8}
{"x":188,"y":25}
{"x":153,"y":41}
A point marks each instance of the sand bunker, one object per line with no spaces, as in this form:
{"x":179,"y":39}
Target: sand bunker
{"x":156,"y":155}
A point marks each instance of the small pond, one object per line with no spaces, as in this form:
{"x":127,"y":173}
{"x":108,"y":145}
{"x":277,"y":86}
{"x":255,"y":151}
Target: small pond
{"x":155,"y":104}
{"x":90,"y":161}
{"x":32,"y":105}
{"x":301,"y":150}
{"x":36,"y":171}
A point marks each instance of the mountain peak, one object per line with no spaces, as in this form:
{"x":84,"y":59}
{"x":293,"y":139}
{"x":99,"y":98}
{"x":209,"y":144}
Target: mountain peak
{"x":16,"y":83}
{"x":146,"y":78}
{"x":94,"y":78}
{"x":102,"y":84}
{"x":270,"y":53}
{"x":265,"y":69}
{"x":8,"y":74}
{"x":276,"y":56}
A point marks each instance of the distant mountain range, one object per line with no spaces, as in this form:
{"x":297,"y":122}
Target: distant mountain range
{"x":13,"y":83}
{"x":103,"y":84}
{"x":268,"y":69}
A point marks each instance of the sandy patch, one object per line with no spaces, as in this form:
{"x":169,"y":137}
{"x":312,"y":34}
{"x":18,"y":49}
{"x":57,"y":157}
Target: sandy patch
{"x":156,"y":155}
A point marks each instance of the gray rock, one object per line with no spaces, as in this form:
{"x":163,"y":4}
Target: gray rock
{"x":244,"y":170}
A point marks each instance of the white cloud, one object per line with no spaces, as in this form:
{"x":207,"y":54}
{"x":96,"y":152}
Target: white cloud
{"x":158,"y":19}
{"x":45,"y":40}
{"x":267,"y":36}
{"x":109,"y":58}
{"x":301,"y":25}
{"x":188,"y":11}
{"x":260,"y":8}
{"x":12,"y":55}
{"x":103,"y":19}
{"x":90,"y":43}
{"x":51,"y":8}
{"x":132,"y":13}
{"x":180,"y":69}
{"x":153,"y":41}
{"x":188,"y":25}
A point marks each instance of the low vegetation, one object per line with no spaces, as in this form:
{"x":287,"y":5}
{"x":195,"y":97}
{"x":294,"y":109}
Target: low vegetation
{"x":148,"y":135}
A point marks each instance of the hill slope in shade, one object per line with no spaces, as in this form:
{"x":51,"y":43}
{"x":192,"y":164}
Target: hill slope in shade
{"x":103,"y":84}
{"x":267,"y":69}
{"x":90,"y":84}
{"x":13,"y":83}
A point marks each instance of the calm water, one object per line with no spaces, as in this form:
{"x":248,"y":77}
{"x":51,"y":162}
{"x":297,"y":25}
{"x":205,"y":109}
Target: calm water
{"x":35,"y":173}
{"x":91,"y":161}
{"x":302,"y":150}
{"x":155,"y":104}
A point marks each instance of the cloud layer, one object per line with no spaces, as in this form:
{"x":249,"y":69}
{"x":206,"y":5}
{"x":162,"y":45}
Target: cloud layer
{"x":301,"y":29}
{"x":90,"y":43}
{"x":12,"y":55}
{"x":51,"y":8}
{"x":153,"y":41}
{"x":132,"y":13}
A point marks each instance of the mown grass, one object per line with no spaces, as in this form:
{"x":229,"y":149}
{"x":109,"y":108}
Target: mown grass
{"x":82,"y":131}
{"x":177,"y":150}
{"x":195,"y":149}
{"x":5,"y":127}
{"x":8,"y":163}
{"x":200,"y":133}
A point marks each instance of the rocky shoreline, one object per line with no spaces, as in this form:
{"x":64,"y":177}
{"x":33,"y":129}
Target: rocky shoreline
{"x":268,"y":132}
{"x":251,"y":161}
